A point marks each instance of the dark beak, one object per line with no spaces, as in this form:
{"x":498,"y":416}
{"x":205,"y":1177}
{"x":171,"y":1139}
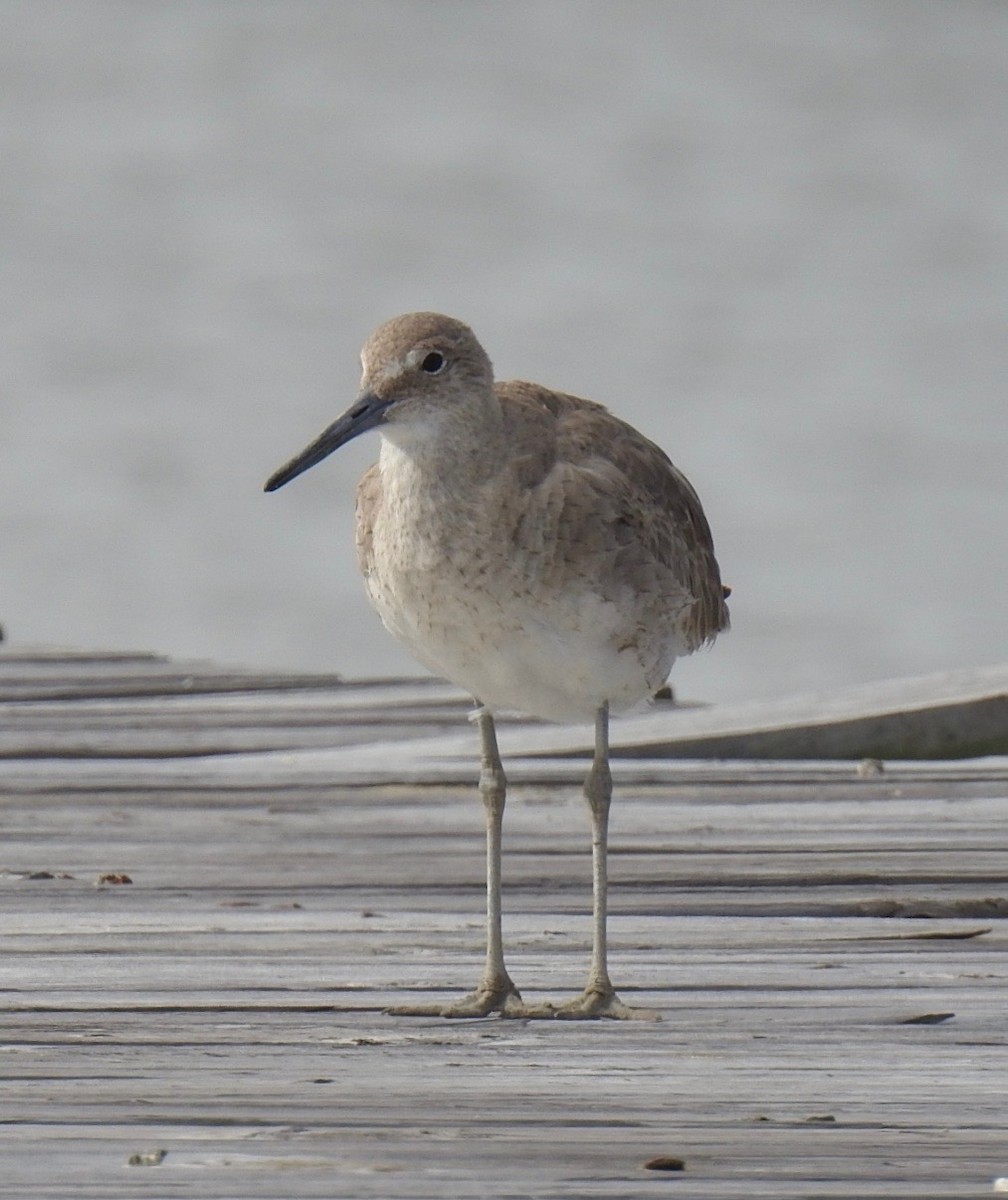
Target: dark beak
{"x":367,"y":412}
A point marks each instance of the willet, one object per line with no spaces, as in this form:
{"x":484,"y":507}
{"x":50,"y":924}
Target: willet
{"x":537,"y":551}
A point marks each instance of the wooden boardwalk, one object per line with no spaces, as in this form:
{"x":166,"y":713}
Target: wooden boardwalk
{"x":828,"y":946}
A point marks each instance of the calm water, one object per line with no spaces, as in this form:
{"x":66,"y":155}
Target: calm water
{"x":773,"y":235}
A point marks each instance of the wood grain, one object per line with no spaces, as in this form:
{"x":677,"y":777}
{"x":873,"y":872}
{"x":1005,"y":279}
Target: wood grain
{"x":227,"y":1005}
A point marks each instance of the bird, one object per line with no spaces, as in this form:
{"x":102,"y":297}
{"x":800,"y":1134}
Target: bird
{"x":537,"y":551}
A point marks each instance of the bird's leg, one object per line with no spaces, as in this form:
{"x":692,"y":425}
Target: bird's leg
{"x":599,"y":998}
{"x":496,"y":991}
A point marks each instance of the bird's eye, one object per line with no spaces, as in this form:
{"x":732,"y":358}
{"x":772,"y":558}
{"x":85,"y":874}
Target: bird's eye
{"x":433,"y":363}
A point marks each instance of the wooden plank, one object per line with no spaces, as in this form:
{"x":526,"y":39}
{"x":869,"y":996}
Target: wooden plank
{"x":955,"y":714}
{"x":227,"y":1005}
{"x":154,"y":727}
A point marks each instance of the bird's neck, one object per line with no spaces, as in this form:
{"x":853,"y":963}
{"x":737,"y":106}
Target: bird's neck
{"x":449,"y":452}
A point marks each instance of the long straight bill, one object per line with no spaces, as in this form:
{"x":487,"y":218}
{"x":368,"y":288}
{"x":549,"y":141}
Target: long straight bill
{"x":366,"y":412}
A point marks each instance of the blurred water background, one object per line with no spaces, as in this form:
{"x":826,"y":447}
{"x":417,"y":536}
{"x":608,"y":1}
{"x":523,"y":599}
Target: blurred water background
{"x":772,"y":234}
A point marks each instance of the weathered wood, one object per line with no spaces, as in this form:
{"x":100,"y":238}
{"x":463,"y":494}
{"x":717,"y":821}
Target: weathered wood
{"x":227,"y":1005}
{"x":954,"y":714}
{"x":137,"y":706}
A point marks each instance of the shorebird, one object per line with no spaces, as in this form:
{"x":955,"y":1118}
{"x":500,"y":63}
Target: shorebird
{"x":537,"y":551}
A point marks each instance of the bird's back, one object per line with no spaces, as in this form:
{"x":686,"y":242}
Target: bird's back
{"x":628,"y":488}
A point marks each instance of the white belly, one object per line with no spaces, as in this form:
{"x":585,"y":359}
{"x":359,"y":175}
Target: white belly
{"x":557,"y":661}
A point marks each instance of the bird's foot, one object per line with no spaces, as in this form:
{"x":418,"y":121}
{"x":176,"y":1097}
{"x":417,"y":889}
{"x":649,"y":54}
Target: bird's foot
{"x":504,"y":1000}
{"x":598,"y":1002}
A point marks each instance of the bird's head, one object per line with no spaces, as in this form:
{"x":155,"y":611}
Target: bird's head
{"x":418,"y":370}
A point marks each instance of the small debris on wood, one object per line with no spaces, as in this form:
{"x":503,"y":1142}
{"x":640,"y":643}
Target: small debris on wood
{"x":823,"y":1119}
{"x":665,"y":1162}
{"x":928,"y":1019}
{"x":114,"y":877}
{"x":151,"y":1158}
{"x":868,"y":768}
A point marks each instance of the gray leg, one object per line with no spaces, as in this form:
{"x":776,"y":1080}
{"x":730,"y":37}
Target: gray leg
{"x":496,"y":992}
{"x":496,"y":989}
{"x":598,"y":793}
{"x":599,"y":998}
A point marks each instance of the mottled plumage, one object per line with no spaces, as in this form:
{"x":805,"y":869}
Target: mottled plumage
{"x":530,"y":547}
{"x":552,"y":560}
